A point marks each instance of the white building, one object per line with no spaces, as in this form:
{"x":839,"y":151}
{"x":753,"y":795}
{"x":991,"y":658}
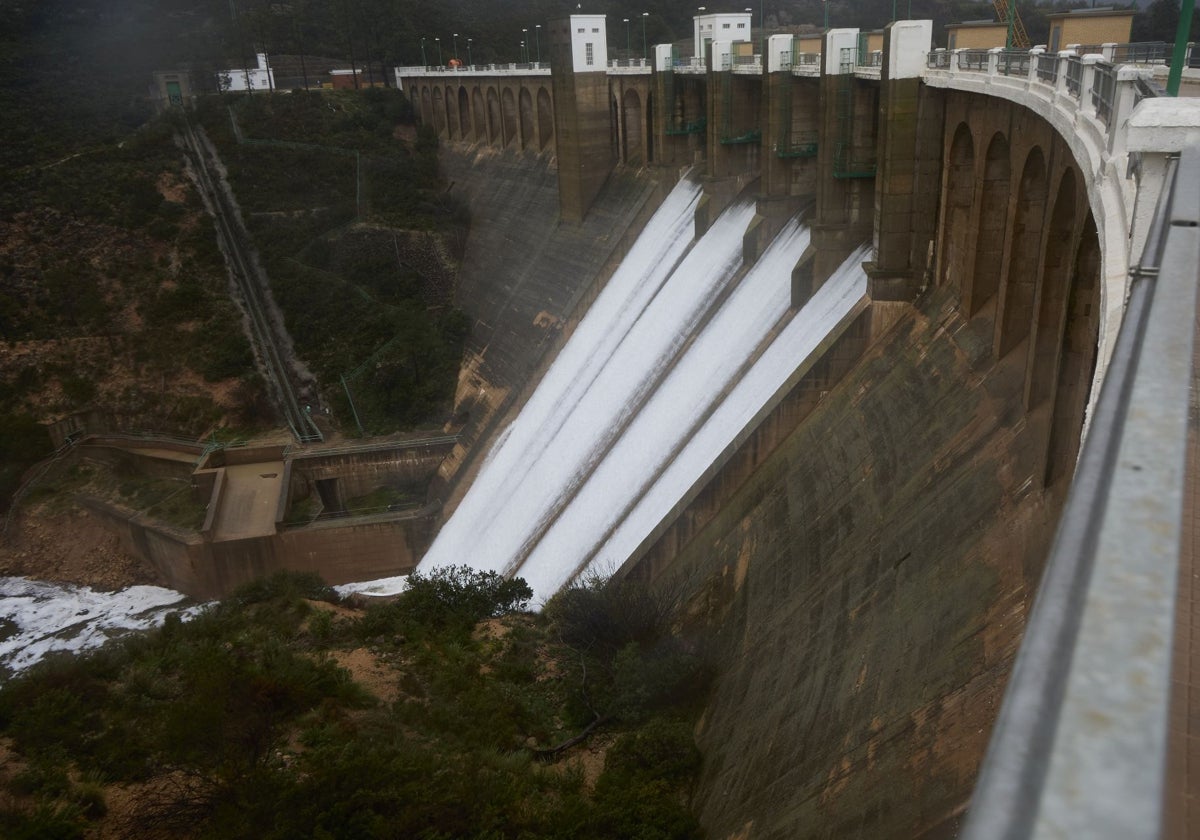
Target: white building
{"x":589,"y":43}
{"x":261,"y":77}
{"x":722,"y":27}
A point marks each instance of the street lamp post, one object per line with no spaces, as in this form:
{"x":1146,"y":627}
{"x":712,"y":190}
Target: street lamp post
{"x":439,"y":43}
{"x":525,"y":44}
{"x":627,"y":47}
{"x":537,"y":39}
{"x":424,"y":61}
{"x":645,"y":52}
{"x":470,"y":61}
{"x":521,"y":53}
{"x":456,"y":46}
{"x":825,"y":3}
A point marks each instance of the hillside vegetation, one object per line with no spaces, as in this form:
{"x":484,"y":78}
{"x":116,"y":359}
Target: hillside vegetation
{"x":282,"y":713}
{"x":342,"y":196}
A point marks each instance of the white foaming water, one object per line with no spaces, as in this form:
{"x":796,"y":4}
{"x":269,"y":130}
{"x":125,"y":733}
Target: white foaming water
{"x":38,"y":618}
{"x":686,"y":396}
{"x":641,"y":274}
{"x":610,"y":363}
{"x":798,"y":340}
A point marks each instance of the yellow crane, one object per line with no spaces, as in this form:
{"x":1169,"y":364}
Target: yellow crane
{"x":1019,"y":38}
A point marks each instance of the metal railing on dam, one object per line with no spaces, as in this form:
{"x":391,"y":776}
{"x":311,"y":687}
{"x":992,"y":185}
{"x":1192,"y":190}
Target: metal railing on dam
{"x":1080,"y":747}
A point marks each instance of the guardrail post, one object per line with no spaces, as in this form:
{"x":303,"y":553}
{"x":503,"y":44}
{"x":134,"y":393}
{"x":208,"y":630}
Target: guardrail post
{"x":1034,"y":56}
{"x":1109,"y":51}
{"x":1064,"y":67}
{"x":993,"y":60}
{"x":1086,"y":82}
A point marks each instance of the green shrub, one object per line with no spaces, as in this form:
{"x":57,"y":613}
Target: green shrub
{"x":42,"y":777}
{"x":285,"y":586}
{"x":593,"y":615}
{"x":47,"y":821}
{"x":462,"y":595}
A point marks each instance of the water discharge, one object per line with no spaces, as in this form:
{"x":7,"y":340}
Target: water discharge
{"x":679,"y":353}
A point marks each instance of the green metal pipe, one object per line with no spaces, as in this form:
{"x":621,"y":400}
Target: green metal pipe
{"x":1181,"y":41}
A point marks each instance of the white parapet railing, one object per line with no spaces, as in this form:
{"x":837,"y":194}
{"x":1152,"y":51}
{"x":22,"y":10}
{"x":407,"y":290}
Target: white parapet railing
{"x":747,"y":65}
{"x":628,"y":66}
{"x":533,"y":68}
{"x":690,"y":65}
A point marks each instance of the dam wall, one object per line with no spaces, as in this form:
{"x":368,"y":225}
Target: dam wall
{"x":866,"y":586}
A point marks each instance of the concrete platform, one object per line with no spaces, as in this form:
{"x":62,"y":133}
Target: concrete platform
{"x":249,"y":502}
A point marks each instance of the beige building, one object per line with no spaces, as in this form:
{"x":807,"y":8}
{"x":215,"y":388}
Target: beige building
{"x":1089,"y":26}
{"x":809,"y":44}
{"x":976,"y":35}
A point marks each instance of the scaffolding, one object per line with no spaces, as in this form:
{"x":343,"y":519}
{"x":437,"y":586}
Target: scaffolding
{"x":1018,"y":38}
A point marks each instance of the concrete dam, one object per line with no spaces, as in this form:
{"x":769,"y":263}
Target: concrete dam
{"x":849,"y":460}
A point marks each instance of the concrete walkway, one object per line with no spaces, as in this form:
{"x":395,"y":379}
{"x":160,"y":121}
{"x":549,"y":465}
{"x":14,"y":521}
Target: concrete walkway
{"x":249,"y":501}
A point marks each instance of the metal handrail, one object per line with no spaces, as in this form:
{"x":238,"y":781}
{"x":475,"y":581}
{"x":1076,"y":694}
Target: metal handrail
{"x":973,"y":60}
{"x":1074,"y":76}
{"x":1079,"y":749}
{"x":1013,"y":62}
{"x":1047,"y":68}
{"x":1145,"y":52}
{"x":1104,"y":86}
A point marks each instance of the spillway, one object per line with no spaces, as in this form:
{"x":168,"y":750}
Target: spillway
{"x":680,"y":351}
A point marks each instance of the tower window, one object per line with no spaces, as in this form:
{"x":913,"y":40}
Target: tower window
{"x":589,"y":55}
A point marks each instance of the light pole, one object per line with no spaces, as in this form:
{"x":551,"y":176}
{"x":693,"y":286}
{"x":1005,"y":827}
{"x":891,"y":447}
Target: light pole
{"x":645,"y":52}
{"x":456,"y":46}
{"x":470,"y":61}
{"x":525,"y":43}
{"x":825,"y":3}
{"x":424,"y":61}
{"x":521,"y":53}
{"x":537,"y":39}
{"x":439,"y":43}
